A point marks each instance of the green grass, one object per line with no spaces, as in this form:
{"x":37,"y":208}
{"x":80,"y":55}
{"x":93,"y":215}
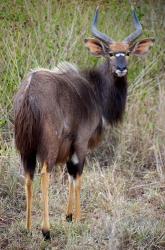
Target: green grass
{"x":123,"y":194}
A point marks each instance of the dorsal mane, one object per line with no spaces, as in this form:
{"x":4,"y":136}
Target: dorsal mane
{"x":61,"y":68}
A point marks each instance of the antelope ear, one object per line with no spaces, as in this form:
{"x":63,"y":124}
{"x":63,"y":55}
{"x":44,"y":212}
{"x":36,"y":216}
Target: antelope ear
{"x":95,"y":46}
{"x":141,"y":48}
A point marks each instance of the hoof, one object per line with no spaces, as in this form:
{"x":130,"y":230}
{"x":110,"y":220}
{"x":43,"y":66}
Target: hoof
{"x":46,"y":234}
{"x":69,"y":218}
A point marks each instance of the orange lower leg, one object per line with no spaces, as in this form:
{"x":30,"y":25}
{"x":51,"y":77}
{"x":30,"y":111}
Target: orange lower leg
{"x":44,"y":188}
{"x":29,"y":191}
{"x":77,"y":193}
{"x":69,"y":211}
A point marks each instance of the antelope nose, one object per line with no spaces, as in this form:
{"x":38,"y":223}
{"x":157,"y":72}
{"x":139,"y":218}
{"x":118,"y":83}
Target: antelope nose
{"x":121,"y":68}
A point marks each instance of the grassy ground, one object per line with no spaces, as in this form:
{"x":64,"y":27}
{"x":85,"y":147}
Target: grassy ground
{"x":123,"y":194}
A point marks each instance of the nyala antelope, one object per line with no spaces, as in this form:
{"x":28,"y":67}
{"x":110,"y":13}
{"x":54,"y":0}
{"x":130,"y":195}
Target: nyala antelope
{"x":61,"y":113}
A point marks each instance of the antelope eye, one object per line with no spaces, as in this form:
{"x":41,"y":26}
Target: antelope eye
{"x":111,"y":54}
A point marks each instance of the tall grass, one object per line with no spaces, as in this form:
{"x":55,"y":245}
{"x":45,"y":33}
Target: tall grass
{"x":123,"y":189}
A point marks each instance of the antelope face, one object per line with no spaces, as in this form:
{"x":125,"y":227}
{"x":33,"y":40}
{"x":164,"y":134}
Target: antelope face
{"x":119,"y":64}
{"x":118,"y":56}
{"x":118,"y":52}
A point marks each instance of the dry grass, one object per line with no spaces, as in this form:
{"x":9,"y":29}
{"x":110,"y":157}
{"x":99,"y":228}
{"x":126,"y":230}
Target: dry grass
{"x":123,"y":194}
